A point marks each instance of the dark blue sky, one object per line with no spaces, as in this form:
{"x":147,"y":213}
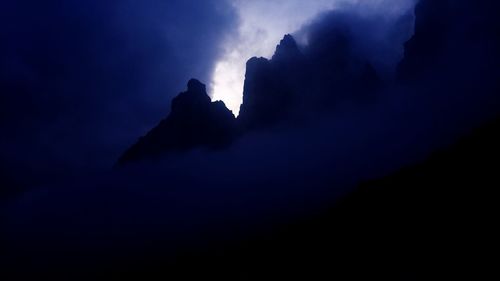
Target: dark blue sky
{"x":81,"y":80}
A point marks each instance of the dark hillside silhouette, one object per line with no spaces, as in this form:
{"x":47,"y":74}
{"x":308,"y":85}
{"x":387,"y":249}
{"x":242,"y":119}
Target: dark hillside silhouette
{"x":194,"y":121}
{"x":273,"y":88}
{"x":433,"y":218}
{"x":277,"y":92}
{"x":453,"y":50}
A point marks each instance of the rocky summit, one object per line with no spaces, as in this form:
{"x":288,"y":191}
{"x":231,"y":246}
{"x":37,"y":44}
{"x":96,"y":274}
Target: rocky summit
{"x":194,"y":122}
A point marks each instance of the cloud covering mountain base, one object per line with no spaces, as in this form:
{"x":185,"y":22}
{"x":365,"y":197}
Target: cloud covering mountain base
{"x":295,"y":166}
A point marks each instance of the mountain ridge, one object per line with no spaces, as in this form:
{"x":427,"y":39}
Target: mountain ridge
{"x":297,"y":83}
{"x":273,"y":95}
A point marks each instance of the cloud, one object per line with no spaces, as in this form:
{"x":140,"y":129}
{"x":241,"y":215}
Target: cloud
{"x":375,"y":35}
{"x":264,"y":23}
{"x":265,"y":176}
{"x":80,"y":80}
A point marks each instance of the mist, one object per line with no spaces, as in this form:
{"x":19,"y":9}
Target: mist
{"x":431,"y":93}
{"x":81,"y":80}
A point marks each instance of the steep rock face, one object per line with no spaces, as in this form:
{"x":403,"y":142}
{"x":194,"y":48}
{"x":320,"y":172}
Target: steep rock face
{"x":194,"y":121}
{"x":296,"y":83}
{"x":339,"y":71}
{"x":271,"y":86}
{"x":279,"y":91}
{"x":287,"y":50}
{"x":452,"y":36}
{"x":429,"y":40}
{"x":453,"y":39}
{"x":452,"y":62}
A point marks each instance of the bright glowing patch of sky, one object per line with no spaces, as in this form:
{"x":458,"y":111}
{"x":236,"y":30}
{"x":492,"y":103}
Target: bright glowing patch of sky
{"x":262,"y":24}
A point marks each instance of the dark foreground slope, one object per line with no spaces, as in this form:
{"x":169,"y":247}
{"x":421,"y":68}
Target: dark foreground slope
{"x":434,"y":220}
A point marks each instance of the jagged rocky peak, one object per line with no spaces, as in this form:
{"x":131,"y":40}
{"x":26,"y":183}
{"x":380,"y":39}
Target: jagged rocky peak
{"x":262,"y":95}
{"x":287,"y":49}
{"x":256,"y":66}
{"x":196,"y":86}
{"x":193,"y":101}
{"x":271,"y":86}
{"x":194,"y":122}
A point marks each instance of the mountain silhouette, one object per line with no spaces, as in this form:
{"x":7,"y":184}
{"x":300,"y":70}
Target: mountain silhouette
{"x":435,"y":218}
{"x":452,"y":37}
{"x":194,"y":122}
{"x":406,"y":225}
{"x":296,"y":83}
{"x":272,"y":87}
{"x":277,"y":92}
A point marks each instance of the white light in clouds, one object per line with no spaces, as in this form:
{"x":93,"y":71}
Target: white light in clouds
{"x":263,"y":23}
